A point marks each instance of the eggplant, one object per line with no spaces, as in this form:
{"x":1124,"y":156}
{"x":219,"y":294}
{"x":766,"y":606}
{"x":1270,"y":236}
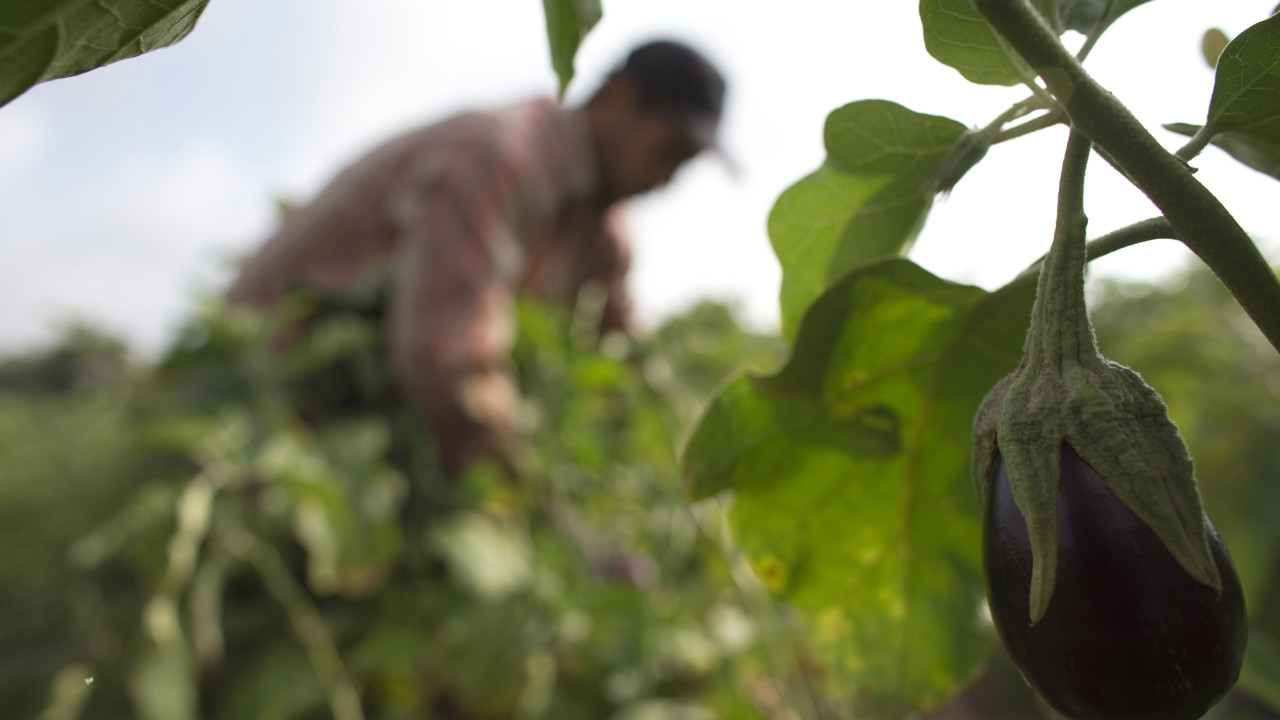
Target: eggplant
{"x":1127,"y":634}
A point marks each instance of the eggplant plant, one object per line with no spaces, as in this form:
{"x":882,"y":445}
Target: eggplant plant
{"x":1090,"y":554}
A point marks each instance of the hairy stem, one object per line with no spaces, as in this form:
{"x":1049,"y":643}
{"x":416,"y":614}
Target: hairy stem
{"x":1198,"y":218}
{"x":1060,"y":321}
{"x":1048,"y":120}
{"x":1157,"y":228}
{"x":1198,"y":142}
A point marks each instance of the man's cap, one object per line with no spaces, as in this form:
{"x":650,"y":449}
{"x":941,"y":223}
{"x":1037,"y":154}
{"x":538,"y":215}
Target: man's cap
{"x":674,"y":76}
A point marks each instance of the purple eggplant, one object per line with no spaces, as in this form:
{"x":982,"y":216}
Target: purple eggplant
{"x":1128,"y":634}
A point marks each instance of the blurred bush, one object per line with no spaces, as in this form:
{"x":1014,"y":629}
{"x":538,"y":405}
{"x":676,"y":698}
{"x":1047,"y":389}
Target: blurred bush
{"x":240,"y":531}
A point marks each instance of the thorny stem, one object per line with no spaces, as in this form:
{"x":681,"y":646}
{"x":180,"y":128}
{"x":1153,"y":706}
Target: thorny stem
{"x":1198,"y":218}
{"x":1060,"y":328}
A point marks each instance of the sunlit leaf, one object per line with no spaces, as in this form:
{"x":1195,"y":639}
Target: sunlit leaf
{"x":1246,"y":91}
{"x":47,"y":39}
{"x":489,"y":560}
{"x":345,"y":504}
{"x":867,"y":201}
{"x":850,"y":484}
{"x":956,"y":35}
{"x":1258,"y":153}
{"x":568,"y":22}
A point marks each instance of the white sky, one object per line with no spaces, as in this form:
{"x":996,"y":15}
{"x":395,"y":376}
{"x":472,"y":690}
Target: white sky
{"x":125,"y":191}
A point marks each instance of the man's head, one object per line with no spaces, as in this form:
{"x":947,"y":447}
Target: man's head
{"x":659,"y":109}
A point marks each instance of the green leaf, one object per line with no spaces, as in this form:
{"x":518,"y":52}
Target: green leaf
{"x":956,"y":35}
{"x":850,"y":476}
{"x":1246,"y":91}
{"x":568,"y":22}
{"x":1082,"y":15}
{"x":867,"y":200}
{"x":1212,"y":45}
{"x":1260,"y":154}
{"x":1115,"y":10}
{"x":47,"y":39}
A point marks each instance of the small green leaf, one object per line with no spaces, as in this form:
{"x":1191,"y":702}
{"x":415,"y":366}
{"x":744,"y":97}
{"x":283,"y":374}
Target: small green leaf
{"x":1260,"y":154}
{"x":568,"y":22}
{"x":47,"y":39}
{"x":868,"y":199}
{"x":1246,"y":91}
{"x":1212,"y":45}
{"x":851,"y":480}
{"x":956,"y":35}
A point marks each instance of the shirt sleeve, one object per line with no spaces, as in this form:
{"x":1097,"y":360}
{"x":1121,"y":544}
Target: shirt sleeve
{"x":451,"y":309}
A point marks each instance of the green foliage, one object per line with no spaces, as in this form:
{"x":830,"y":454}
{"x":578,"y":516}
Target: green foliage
{"x":568,"y":22}
{"x":850,"y":471}
{"x":956,"y":35}
{"x":207,"y":551}
{"x":1248,"y":78}
{"x":42,"y":40}
{"x":868,"y":199}
{"x":1244,"y":114}
{"x":846,"y":472}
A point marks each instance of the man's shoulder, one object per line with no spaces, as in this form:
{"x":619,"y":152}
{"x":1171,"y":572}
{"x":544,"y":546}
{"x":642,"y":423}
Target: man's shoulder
{"x":494,"y":124}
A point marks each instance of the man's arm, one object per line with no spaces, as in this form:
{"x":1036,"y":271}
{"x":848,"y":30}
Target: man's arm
{"x":611,"y":270}
{"x":451,"y":309}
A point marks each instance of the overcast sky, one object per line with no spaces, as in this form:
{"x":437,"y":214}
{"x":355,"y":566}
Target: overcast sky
{"x":126,"y":191}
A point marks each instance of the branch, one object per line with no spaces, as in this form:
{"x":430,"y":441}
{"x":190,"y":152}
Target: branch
{"x":1156,"y":228}
{"x":308,"y":624}
{"x":1197,"y":217}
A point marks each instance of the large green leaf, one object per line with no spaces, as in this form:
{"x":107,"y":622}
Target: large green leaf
{"x":1246,"y":91}
{"x":867,"y":200}
{"x":849,"y":472}
{"x":47,"y":39}
{"x":568,"y":22}
{"x":956,"y":35}
{"x":1261,"y":154}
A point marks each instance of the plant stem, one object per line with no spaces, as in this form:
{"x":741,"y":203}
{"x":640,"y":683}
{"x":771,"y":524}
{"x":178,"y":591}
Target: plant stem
{"x":308,"y":625}
{"x":1198,"y":218}
{"x":1049,"y":119}
{"x":1198,"y":142}
{"x":1060,"y":321}
{"x":1156,"y":228}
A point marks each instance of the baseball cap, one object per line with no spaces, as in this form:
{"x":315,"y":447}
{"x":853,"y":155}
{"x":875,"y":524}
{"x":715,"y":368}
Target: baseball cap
{"x":673,"y":75}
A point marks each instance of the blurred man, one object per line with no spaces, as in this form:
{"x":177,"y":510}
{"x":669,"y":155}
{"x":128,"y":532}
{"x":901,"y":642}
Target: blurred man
{"x":484,"y":206}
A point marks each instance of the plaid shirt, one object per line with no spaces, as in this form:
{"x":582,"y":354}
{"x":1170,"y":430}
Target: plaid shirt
{"x":470,"y":212}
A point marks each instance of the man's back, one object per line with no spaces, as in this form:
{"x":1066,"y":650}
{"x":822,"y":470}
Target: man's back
{"x":532,"y":157}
